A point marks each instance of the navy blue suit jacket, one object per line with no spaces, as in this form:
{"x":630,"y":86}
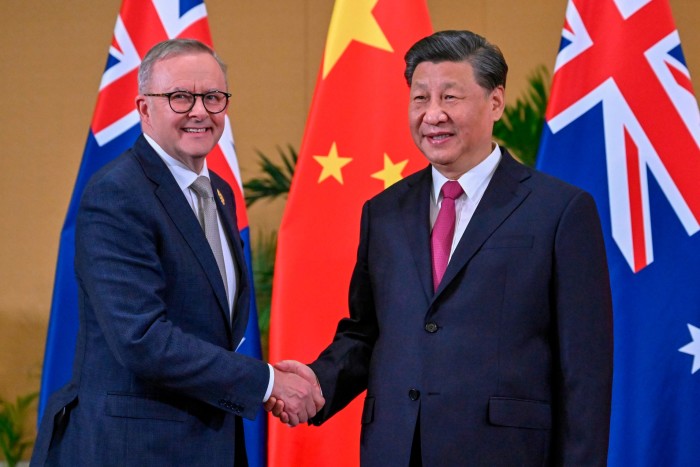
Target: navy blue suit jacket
{"x":156,"y":379}
{"x":510,"y":361}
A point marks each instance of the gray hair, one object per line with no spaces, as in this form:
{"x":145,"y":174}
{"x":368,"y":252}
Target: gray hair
{"x":490,"y":68}
{"x":168,"y":49}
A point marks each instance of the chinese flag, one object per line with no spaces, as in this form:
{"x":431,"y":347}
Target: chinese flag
{"x":357,"y":143}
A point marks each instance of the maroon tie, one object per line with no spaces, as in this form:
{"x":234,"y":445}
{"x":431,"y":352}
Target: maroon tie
{"x":444,"y":230}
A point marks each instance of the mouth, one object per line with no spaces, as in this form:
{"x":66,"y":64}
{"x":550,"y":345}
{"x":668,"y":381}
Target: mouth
{"x":195,"y":130}
{"x":438,"y":138}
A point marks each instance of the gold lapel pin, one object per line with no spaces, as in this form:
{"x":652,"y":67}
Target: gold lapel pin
{"x":221,"y":197}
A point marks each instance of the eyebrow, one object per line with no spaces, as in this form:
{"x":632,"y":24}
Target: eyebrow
{"x":447,"y":85}
{"x":180,"y":89}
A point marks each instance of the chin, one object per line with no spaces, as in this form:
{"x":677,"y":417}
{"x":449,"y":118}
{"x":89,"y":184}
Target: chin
{"x":200,"y":150}
{"x":440,"y":159}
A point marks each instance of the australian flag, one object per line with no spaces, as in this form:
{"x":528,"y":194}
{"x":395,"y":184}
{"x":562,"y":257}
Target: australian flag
{"x":114,"y":128}
{"x":623,"y":123}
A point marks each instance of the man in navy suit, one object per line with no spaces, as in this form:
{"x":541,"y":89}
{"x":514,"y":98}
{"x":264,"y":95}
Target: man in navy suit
{"x":163,"y":306}
{"x":504,"y":358}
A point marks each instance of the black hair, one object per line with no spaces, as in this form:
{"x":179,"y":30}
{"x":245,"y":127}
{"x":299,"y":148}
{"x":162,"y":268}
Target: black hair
{"x":490,"y":68}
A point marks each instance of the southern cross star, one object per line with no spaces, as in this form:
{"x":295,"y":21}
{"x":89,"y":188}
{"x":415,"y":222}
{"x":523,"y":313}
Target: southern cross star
{"x":693,"y":348}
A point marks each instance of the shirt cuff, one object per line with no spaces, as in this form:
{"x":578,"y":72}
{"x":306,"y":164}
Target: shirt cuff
{"x":270,"y":384}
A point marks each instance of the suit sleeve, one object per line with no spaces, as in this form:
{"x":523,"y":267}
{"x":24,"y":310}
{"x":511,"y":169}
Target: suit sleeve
{"x":583,"y":322}
{"x":343,"y":367}
{"x":123,"y":276}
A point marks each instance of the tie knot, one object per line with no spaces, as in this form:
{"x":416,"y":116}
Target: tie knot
{"x":452,"y":190}
{"x":202,"y":187}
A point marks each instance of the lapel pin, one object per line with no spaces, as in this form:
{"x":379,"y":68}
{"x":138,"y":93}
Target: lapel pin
{"x":221,"y":197}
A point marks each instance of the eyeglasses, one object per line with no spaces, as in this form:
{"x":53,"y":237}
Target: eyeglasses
{"x":183,"y":101}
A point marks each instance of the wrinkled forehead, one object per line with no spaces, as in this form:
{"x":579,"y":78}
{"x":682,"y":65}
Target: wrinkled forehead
{"x":194,"y":69}
{"x":444,"y":73}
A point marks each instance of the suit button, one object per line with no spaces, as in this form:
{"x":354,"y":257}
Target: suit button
{"x":226,"y":403}
{"x":413,"y":394}
{"x":431,"y":327}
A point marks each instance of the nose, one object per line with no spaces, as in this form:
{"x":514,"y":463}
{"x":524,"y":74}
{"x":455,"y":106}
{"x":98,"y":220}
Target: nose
{"x":198,"y":107}
{"x":434,"y":114}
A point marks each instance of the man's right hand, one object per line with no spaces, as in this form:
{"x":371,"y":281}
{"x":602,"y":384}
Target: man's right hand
{"x":296,"y":395}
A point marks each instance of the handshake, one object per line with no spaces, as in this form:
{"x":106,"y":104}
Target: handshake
{"x":296,"y":395}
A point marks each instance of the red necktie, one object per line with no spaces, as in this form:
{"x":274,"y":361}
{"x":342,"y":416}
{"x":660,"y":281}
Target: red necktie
{"x":444,"y":230}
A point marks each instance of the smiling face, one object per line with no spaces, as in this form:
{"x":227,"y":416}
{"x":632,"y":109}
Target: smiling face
{"x":451,"y":116}
{"x":187,"y":137}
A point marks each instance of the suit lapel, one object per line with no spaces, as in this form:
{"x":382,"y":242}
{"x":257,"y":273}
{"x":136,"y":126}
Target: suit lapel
{"x":180,"y":212}
{"x":226,"y":206}
{"x":415,"y":209}
{"x":503,"y":195}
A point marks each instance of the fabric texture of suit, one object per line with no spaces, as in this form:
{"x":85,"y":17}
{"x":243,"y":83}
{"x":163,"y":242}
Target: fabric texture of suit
{"x":509,"y":362}
{"x":156,"y":379}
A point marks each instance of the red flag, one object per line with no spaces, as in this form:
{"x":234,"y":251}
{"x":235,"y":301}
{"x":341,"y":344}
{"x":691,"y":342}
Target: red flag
{"x":357,"y":142}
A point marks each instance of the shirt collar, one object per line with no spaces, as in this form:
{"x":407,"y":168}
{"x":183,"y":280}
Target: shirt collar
{"x":471,"y":180}
{"x":184,"y":176}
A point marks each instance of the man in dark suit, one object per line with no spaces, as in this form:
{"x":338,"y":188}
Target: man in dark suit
{"x":482,"y":334}
{"x":164,"y":293}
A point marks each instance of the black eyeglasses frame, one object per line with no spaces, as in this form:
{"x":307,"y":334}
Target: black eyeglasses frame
{"x":194,"y":100}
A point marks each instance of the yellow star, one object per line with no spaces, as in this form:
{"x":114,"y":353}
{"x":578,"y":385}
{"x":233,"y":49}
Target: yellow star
{"x":391,"y":173}
{"x":352,"y":20}
{"x":332,"y":164}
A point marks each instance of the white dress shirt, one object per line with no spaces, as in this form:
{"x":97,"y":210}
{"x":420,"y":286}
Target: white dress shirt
{"x":474,"y":184}
{"x":184,"y":176}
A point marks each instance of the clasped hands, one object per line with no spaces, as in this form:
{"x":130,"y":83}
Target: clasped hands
{"x":296,"y":394}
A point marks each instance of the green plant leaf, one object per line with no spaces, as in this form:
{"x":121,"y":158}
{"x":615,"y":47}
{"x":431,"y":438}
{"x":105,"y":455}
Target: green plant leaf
{"x":520,"y":127}
{"x":13,"y":438}
{"x":275,"y":180}
{"x":263,"y":251}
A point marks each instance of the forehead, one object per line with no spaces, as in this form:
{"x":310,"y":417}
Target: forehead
{"x":443,"y":74}
{"x":200,"y":68}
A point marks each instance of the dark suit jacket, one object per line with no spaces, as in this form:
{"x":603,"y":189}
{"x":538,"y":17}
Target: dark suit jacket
{"x":156,"y":380}
{"x":510,"y":361}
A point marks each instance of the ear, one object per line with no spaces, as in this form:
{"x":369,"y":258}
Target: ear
{"x":143,"y":109}
{"x":498,"y":102}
